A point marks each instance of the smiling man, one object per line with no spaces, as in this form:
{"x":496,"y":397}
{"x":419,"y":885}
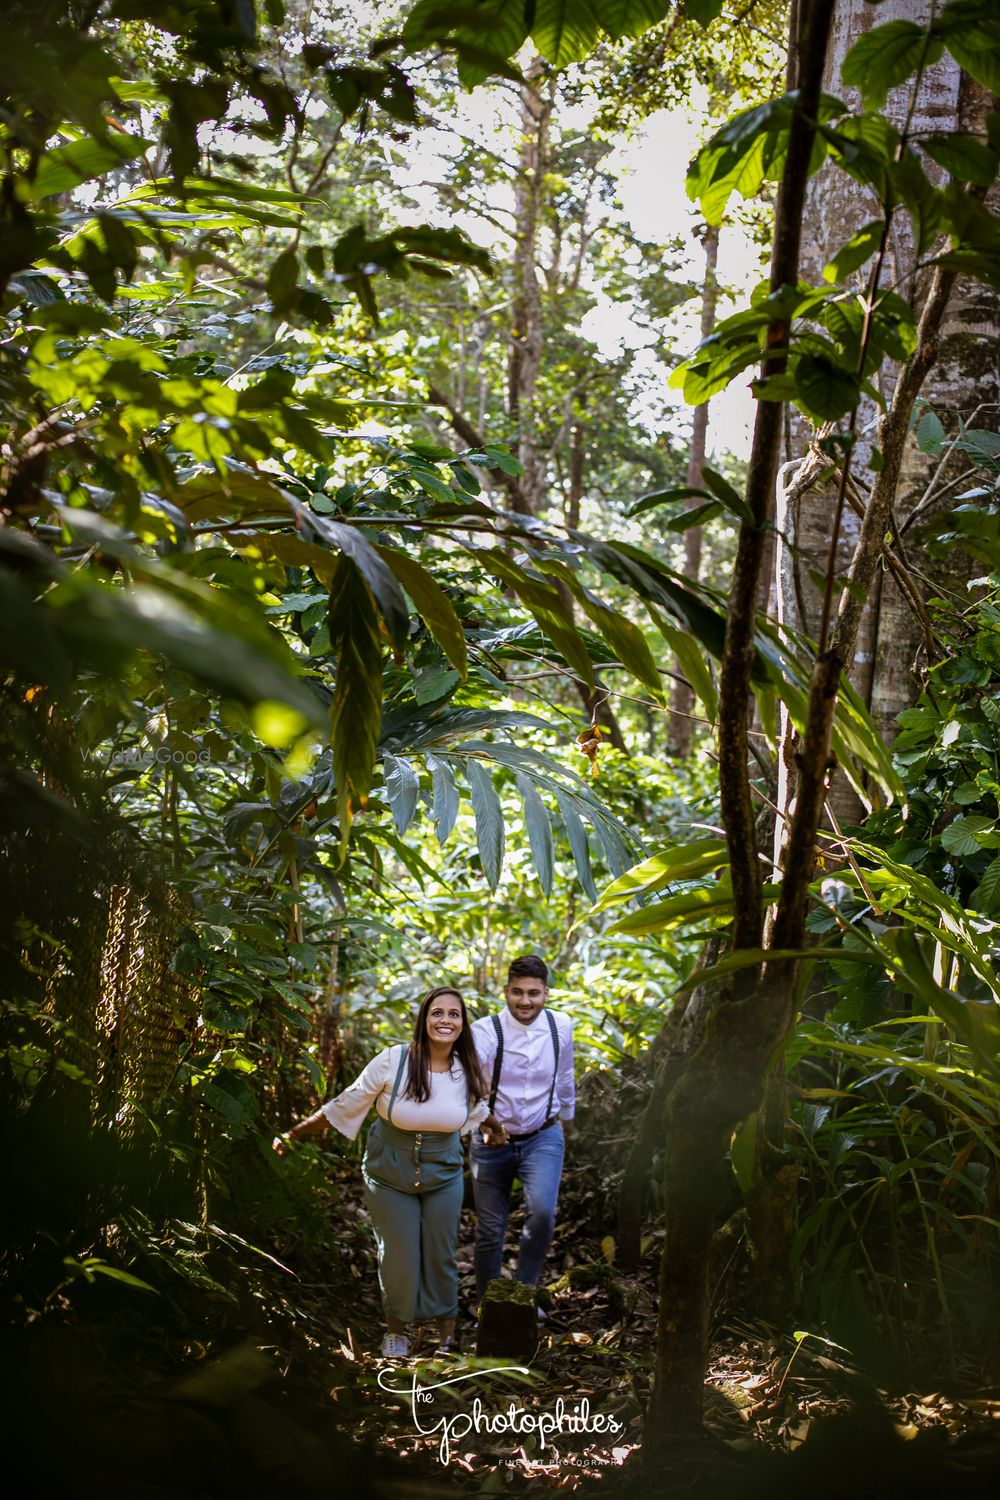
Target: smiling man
{"x":526,"y":1054}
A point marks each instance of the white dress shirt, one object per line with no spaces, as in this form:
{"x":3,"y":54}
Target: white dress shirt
{"x":448,"y":1107}
{"x":526,"y":1072}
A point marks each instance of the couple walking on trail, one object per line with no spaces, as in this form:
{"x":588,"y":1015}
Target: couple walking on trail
{"x":506,"y":1078}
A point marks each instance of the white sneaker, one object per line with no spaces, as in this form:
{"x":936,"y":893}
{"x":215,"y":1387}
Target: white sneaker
{"x":395,"y":1346}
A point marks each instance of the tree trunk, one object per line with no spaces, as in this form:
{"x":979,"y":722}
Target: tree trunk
{"x":683,"y":698}
{"x":893,"y":639}
{"x":890,"y":653}
{"x":722,"y":1081}
{"x":526,"y":319}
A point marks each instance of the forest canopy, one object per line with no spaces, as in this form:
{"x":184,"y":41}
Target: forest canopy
{"x":480,"y":479}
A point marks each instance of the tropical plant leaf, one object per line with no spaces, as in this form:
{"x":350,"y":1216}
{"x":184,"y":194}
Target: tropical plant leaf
{"x":65,"y":167}
{"x":987,"y":893}
{"x":627,"y":642}
{"x":577,"y":836}
{"x":357,"y":696}
{"x":667,"y":866}
{"x":417,"y":726}
{"x":402,"y":788}
{"x":489,"y":821}
{"x":548,"y":608}
{"x":663,"y":497}
{"x":964,"y":836}
{"x":885,"y":57}
{"x":446,"y":799}
{"x":694,"y":666}
{"x":663,"y":916}
{"x":376,"y":573}
{"x":539,"y":829}
{"x":964,"y":157}
{"x":433,"y":606}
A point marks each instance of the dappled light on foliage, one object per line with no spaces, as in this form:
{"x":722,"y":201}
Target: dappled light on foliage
{"x":373,"y":613}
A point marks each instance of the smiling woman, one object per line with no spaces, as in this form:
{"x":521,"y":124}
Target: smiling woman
{"x":412,"y":1167}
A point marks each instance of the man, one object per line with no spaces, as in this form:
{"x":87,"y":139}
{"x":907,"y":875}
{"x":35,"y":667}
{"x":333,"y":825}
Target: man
{"x":526,"y":1054}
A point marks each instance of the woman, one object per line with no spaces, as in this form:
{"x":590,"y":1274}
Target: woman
{"x":426,"y":1095}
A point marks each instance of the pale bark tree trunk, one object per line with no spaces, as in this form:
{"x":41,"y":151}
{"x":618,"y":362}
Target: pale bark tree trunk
{"x":893,"y":640}
{"x":890,"y":651}
{"x":683,"y":698}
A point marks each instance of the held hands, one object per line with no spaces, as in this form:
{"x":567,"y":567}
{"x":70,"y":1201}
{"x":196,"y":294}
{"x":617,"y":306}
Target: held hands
{"x":493,"y":1133}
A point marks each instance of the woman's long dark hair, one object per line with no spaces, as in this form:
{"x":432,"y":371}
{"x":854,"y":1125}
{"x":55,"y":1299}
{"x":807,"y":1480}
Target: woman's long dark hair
{"x":418,"y":1063}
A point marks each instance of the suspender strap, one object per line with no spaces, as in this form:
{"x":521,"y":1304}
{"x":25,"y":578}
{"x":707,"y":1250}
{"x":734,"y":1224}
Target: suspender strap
{"x":399,"y":1074}
{"x":497,"y":1062}
{"x":555,"y":1062}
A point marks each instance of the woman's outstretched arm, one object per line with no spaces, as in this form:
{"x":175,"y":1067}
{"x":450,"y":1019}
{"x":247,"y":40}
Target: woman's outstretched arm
{"x":311,"y":1125}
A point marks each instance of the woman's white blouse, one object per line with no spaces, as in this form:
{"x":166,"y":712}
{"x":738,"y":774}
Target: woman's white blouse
{"x":446,"y":1109}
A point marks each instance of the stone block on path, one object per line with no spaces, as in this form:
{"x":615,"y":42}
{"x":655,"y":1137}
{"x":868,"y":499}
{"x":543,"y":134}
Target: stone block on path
{"x":508,"y":1322}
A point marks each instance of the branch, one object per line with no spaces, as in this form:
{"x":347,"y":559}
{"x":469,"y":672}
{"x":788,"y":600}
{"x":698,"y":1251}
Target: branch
{"x":738,"y":654}
{"x":474,"y":439}
{"x":789,"y":926}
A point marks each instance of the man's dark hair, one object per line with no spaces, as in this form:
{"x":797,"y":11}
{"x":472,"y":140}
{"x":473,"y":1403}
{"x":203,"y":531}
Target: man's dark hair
{"x":528,"y":967}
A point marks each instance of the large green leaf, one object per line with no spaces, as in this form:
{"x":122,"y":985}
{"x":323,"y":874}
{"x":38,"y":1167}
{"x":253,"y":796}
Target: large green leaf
{"x":692,"y":663}
{"x":658,"y":585}
{"x":681,"y":862}
{"x":445,"y":796}
{"x":356,"y":709}
{"x":971,"y":30}
{"x":965,"y":835}
{"x":417,"y":726}
{"x":739,"y":157}
{"x":66,"y":167}
{"x":626,"y":640}
{"x":577,"y":836}
{"x":489,"y":821}
{"x":977,"y":1025}
{"x":987,"y":893}
{"x":402,"y":788}
{"x":564,"y":31}
{"x":965,"y":157}
{"x":885,"y":57}
{"x":536,"y":821}
{"x":433,"y":606}
{"x":376,"y":573}
{"x":547,"y":606}
{"x":663,"y":916}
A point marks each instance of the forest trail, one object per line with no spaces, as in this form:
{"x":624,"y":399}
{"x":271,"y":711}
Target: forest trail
{"x":253,"y":1378}
{"x":776,"y":1406}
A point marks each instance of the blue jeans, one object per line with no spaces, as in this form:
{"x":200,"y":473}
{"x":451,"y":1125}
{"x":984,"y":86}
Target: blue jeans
{"x":538,"y":1163}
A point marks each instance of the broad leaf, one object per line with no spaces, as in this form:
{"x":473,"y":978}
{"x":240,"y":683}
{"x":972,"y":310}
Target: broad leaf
{"x":376,"y":573}
{"x":577,"y":835}
{"x":445,"y":797}
{"x":682,"y":862}
{"x":66,"y":167}
{"x":433,"y":606}
{"x":402,"y":787}
{"x":885,"y":57}
{"x":489,"y":821}
{"x":357,"y":696}
{"x":966,"y":158}
{"x":964,"y":836}
{"x":539,"y":829}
